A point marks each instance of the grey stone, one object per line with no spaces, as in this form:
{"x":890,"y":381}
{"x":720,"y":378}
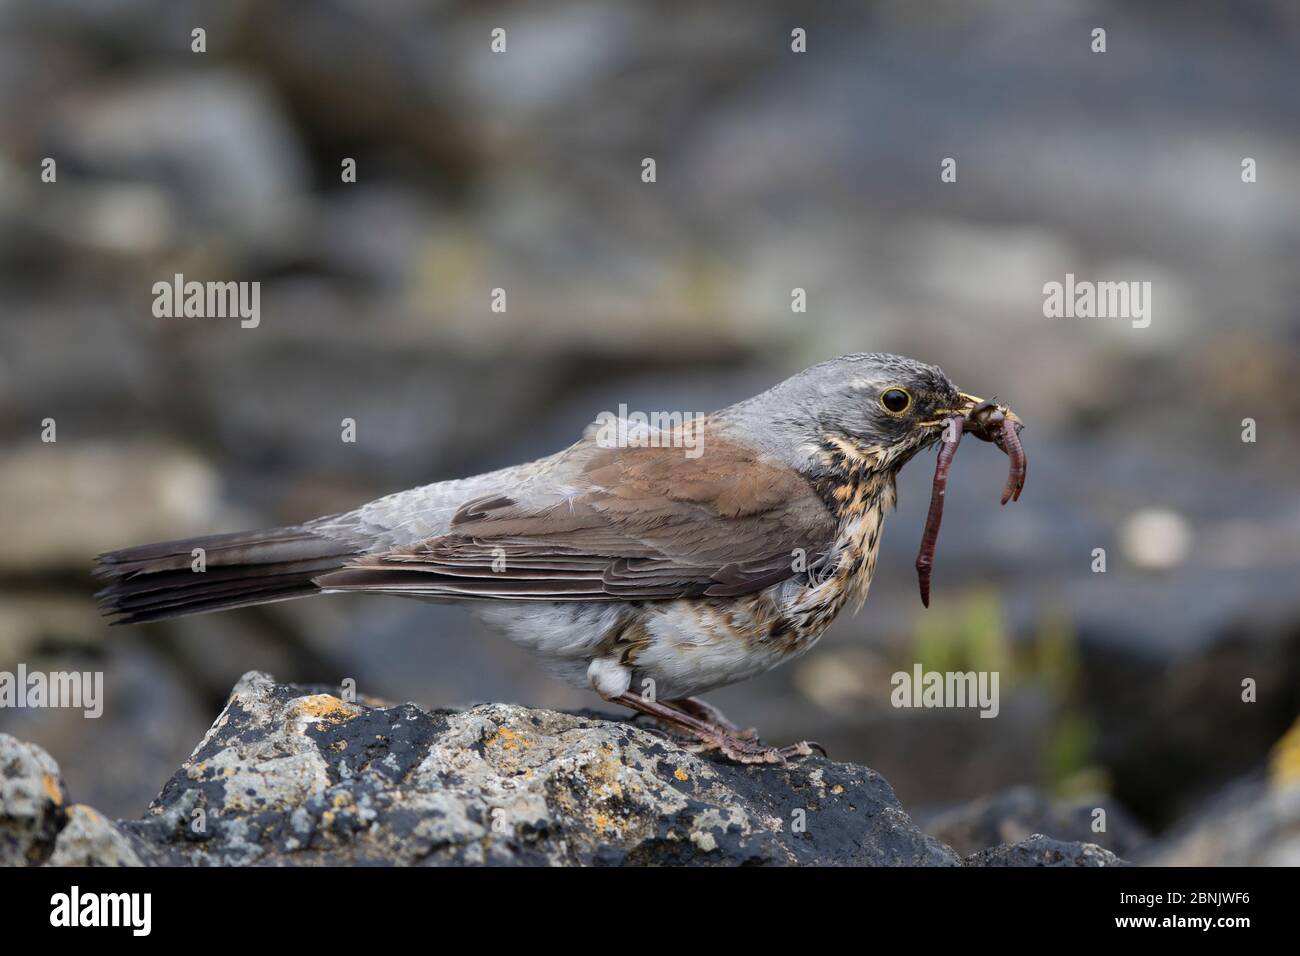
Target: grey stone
{"x":1039,"y":850}
{"x":1253,"y":823}
{"x":32,"y":802}
{"x":1017,"y":814}
{"x":297,"y":775}
{"x":90,"y":839}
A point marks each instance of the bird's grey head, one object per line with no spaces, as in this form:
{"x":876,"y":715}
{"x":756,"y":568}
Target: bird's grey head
{"x":879,"y":407}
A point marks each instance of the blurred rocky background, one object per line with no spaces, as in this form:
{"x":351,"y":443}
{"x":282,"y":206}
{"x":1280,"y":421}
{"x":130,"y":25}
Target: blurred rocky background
{"x":775,"y":170}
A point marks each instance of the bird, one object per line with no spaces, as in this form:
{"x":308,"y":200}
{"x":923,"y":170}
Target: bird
{"x":651,"y":567}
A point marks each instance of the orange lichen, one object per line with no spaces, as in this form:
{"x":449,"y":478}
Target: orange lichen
{"x":509,"y":740}
{"x":51,"y":788}
{"x":603,"y":776}
{"x":326,"y":707}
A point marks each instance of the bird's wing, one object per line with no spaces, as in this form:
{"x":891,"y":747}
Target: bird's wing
{"x":640,"y":523}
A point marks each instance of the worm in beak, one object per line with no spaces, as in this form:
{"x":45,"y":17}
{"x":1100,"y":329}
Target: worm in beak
{"x":930,"y":537}
{"x":989,"y":422}
{"x":1010,"y":443}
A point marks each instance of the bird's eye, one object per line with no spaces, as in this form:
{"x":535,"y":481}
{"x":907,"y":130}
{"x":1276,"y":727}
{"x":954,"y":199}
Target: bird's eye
{"x":895,"y":400}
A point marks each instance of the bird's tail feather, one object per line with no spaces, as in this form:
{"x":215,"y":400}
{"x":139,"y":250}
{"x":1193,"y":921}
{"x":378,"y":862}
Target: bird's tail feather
{"x":212,"y":573}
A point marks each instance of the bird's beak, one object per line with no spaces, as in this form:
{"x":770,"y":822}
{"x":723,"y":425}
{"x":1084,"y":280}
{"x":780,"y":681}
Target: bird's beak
{"x":983,"y":418}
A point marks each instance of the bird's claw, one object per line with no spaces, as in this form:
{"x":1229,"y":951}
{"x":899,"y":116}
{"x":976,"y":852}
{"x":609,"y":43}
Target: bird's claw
{"x":749,"y":752}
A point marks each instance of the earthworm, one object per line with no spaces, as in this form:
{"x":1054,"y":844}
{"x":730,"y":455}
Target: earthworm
{"x":930,"y":537}
{"x":991,"y":423}
{"x":1015,"y":451}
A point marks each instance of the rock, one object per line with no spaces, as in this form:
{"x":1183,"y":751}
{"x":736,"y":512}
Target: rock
{"x":293,"y":775}
{"x":217,"y":158}
{"x":1172,"y":729}
{"x":89,"y":839}
{"x":1016,"y":815}
{"x":287,"y":775}
{"x":1250,"y":824}
{"x":1039,"y":850}
{"x":31,"y":803}
{"x":121,"y":490}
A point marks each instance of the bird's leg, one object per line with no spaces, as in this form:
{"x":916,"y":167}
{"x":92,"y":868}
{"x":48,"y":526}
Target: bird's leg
{"x":711,"y":715}
{"x":732,"y":746}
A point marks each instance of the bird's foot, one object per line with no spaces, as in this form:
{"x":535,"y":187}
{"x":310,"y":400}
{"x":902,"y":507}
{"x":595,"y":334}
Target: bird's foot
{"x":745,"y":751}
{"x":745,"y":747}
{"x":711,"y":733}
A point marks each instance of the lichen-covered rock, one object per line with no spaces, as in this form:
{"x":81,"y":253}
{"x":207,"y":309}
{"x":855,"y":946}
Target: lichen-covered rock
{"x":294,"y":775}
{"x":32,"y":800}
{"x":1039,"y":850}
{"x":89,"y":839}
{"x":287,"y":775}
